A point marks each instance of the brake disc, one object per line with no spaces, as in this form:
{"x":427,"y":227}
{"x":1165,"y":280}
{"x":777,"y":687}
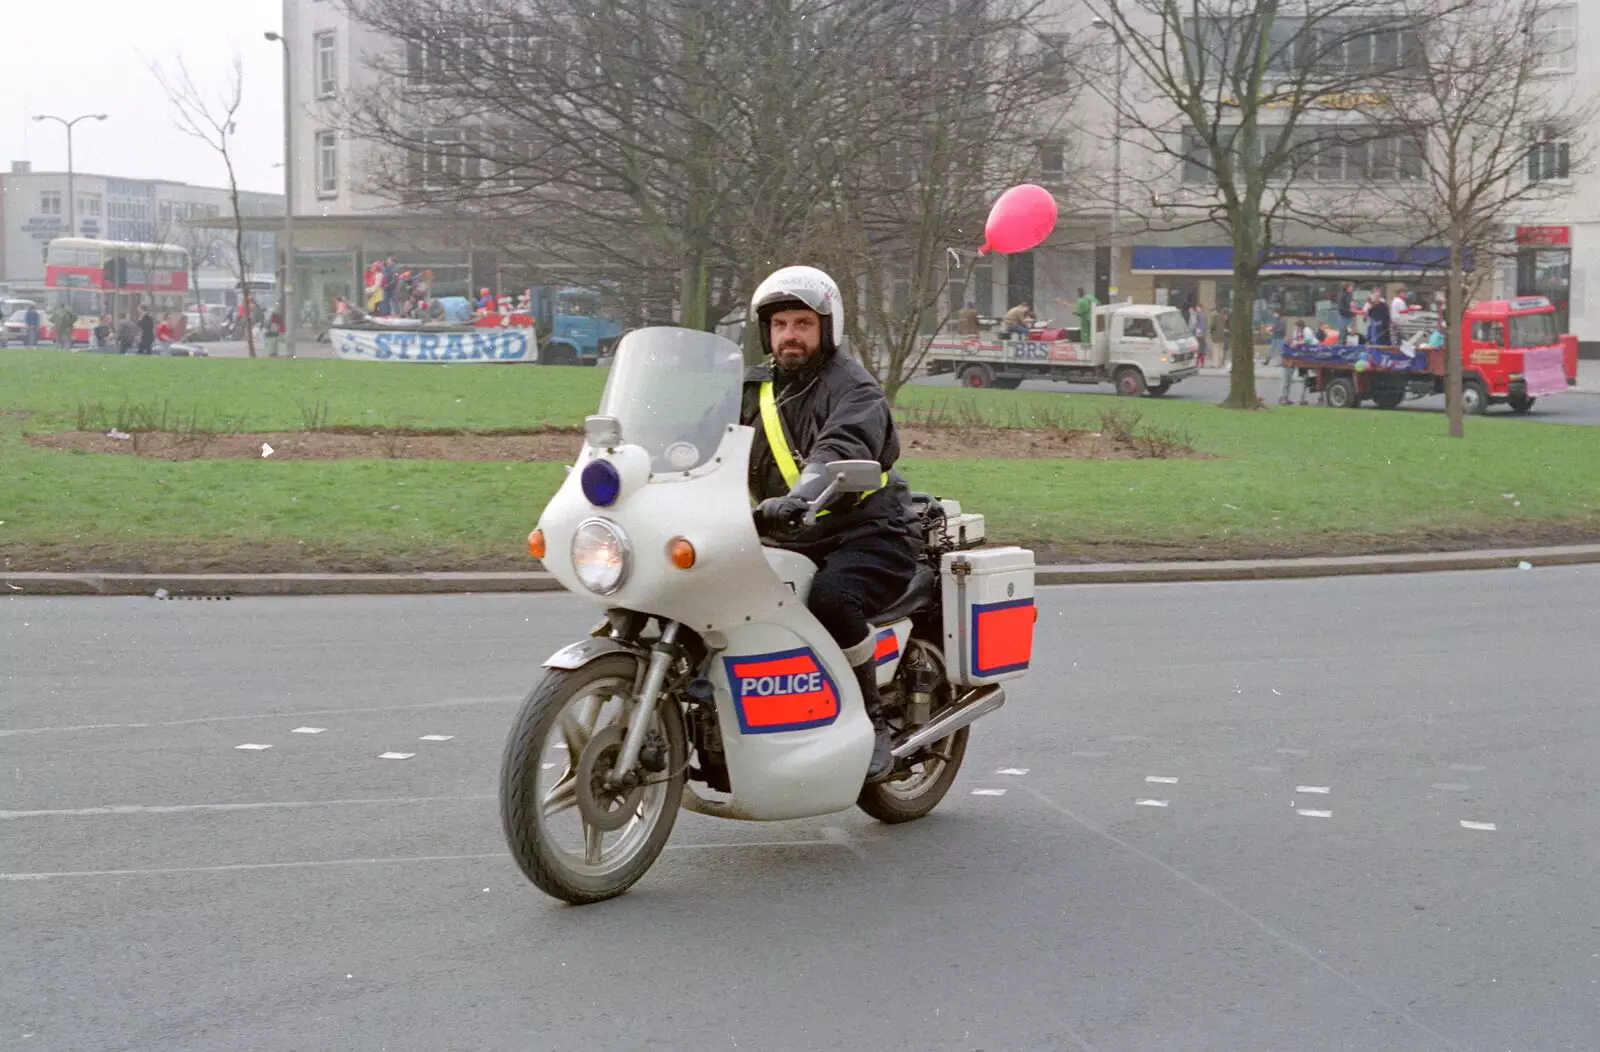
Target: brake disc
{"x":602,"y":807}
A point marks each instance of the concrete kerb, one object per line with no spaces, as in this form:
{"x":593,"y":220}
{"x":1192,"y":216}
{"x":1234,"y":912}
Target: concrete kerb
{"x":195,"y":586}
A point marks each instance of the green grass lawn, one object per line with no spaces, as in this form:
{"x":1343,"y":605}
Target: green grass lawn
{"x":1289,"y":480}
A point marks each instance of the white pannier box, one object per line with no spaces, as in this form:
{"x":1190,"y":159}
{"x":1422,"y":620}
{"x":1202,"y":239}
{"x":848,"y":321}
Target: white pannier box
{"x":988,"y":614}
{"x":961,"y":529}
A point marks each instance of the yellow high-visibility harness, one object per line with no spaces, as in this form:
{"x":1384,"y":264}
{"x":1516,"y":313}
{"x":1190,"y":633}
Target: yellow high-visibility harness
{"x":782,"y":451}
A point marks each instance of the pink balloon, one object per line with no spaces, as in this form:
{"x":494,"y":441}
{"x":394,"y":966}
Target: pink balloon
{"x":1021,"y":219}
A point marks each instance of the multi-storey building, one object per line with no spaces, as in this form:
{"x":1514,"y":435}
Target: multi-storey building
{"x":1551,"y":242}
{"x":1151,"y":256}
{"x":34,"y":209}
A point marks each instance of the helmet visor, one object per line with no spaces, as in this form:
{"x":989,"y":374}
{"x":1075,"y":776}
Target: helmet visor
{"x":816,"y":299}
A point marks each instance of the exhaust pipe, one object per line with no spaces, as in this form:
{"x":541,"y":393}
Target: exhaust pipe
{"x":978,"y":704}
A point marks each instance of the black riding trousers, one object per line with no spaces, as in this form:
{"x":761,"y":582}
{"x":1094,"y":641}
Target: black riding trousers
{"x":858,"y":580}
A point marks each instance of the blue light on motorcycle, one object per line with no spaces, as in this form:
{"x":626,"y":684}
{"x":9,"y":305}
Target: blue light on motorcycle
{"x":601,"y":483}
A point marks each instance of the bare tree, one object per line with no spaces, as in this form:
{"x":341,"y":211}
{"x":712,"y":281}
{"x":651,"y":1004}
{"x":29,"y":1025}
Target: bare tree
{"x":969,"y":92}
{"x":1492,"y":132}
{"x":621,"y":137}
{"x":1235,"y":103}
{"x":712,"y":140}
{"x":209,"y":117}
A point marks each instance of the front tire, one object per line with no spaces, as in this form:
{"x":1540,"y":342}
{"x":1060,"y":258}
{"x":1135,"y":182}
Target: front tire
{"x":1129,"y":381}
{"x":1474,"y":398}
{"x":570,"y":720}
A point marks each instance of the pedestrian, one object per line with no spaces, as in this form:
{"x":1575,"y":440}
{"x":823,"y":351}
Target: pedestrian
{"x":127,"y":334}
{"x":1084,"y":308}
{"x":1217,"y":330}
{"x":147,"y":331}
{"x":1377,"y":320}
{"x":1275,"y":337}
{"x":63,"y":319}
{"x":1197,"y":328}
{"x":165,"y":335}
{"x":274,"y":331}
{"x":967,"y":321}
{"x":30,"y":326}
{"x":102,"y":332}
{"x":1347,"y":309}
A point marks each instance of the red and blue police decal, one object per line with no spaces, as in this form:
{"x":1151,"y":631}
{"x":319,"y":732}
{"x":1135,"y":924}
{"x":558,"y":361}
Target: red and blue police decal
{"x":888,"y":647}
{"x":1002,"y":637}
{"x":785,"y":691}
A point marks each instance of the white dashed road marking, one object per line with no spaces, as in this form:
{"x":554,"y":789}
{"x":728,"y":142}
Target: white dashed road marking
{"x":988,"y":792}
{"x":1012,"y":770}
{"x":396,"y":755}
{"x":252,"y":747}
{"x":1150,"y":803}
{"x":1487,"y":827}
{"x":308,"y":730}
{"x":435,"y":737}
{"x":1313,"y":814}
{"x":1311,"y":789}
{"x":1160,"y":779}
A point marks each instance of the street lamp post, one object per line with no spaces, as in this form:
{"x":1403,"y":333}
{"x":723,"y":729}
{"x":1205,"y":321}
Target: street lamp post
{"x":1116,"y":159}
{"x":72,"y":197}
{"x":286,"y":289}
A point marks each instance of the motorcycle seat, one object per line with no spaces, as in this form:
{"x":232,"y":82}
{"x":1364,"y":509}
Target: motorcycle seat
{"x":918,"y":594}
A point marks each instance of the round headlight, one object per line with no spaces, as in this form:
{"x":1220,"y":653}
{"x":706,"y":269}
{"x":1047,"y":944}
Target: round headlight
{"x":600,"y":555}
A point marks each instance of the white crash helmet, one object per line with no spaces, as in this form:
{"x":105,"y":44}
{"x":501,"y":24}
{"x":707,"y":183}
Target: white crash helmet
{"x":800,"y":286}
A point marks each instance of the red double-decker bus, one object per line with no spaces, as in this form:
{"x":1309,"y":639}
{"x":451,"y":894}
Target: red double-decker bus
{"x":116,"y":277}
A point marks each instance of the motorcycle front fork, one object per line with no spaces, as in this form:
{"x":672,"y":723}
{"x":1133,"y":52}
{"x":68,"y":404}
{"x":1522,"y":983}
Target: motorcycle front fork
{"x":662,"y":655}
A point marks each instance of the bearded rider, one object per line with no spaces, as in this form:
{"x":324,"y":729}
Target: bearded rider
{"x":809,"y":406}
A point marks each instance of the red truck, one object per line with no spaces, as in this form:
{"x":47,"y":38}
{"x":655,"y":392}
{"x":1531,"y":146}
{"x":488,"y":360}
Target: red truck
{"x":1511,"y":353}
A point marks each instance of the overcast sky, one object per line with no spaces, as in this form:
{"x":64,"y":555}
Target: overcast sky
{"x":68,"y":57}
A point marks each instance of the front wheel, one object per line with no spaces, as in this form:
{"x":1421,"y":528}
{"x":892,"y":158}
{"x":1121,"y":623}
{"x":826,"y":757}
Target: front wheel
{"x":1129,"y":381}
{"x":1474,"y":398}
{"x":576,"y":838}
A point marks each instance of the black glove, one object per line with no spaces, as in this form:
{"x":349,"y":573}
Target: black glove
{"x":776,"y":514}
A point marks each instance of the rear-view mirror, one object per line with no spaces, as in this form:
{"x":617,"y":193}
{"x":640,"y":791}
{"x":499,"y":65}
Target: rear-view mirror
{"x":855,"y":476}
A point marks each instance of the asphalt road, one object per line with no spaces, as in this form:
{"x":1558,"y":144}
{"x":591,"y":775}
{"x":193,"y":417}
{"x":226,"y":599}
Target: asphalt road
{"x":1567,"y":408}
{"x":162,"y":889}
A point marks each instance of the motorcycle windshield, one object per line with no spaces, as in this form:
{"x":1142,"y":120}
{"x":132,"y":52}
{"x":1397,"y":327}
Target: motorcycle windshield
{"x":674,"y":392}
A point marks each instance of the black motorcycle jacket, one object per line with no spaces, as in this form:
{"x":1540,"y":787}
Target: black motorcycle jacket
{"x":831,"y":410}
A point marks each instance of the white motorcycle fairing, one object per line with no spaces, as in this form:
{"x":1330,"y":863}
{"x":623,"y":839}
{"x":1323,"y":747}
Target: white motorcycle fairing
{"x":796,"y":572}
{"x":795,"y":735}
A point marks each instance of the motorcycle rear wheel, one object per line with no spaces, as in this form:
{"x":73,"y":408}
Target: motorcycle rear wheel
{"x":566,"y":712}
{"x":919,"y":792}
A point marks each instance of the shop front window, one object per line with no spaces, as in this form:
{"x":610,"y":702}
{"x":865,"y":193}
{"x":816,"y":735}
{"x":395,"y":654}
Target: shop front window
{"x":1547,"y":272}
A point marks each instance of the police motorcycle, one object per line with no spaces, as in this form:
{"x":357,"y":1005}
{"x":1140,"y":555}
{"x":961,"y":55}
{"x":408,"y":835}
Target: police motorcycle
{"x":709,"y":685}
